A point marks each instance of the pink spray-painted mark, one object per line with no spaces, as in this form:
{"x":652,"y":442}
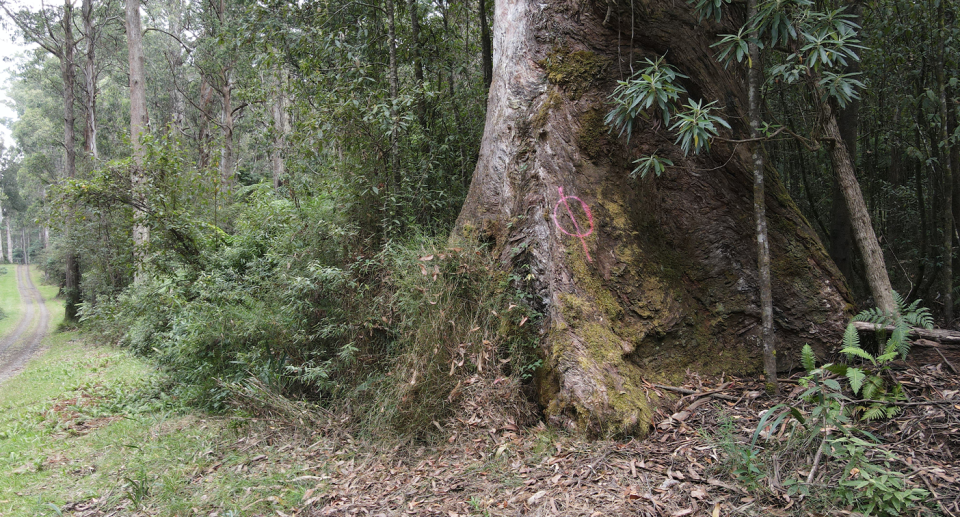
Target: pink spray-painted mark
{"x":578,"y":232}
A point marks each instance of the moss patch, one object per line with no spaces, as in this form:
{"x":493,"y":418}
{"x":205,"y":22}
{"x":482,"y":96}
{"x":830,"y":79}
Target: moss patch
{"x":575,"y":71}
{"x":552,"y":102}
{"x":592,"y":135}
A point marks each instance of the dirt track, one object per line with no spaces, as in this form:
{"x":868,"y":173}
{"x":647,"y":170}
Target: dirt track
{"x":16,"y":349}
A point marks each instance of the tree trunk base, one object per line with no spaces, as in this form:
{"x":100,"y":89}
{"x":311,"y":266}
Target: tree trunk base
{"x":639,"y":281}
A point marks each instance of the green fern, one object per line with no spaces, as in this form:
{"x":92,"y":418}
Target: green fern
{"x":807,"y":358}
{"x":856,"y":378}
{"x":869,"y":383}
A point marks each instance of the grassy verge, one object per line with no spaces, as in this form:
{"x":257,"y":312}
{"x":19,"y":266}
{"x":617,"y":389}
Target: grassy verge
{"x":49,"y":292}
{"x":9,"y":299}
{"x":80,"y":430}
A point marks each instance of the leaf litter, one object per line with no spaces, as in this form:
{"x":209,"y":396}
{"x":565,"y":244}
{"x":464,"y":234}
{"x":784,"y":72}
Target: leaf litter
{"x":495,"y":459}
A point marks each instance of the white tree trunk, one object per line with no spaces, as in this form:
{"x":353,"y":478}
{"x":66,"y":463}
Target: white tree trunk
{"x":138,"y":127}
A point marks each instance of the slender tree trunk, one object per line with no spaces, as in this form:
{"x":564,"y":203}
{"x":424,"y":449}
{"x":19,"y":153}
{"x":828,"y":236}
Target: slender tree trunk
{"x":203,"y":131}
{"x":2,"y":254}
{"x":393,"y":79}
{"x":72,"y":263}
{"x":281,"y":128}
{"x":25,"y":241}
{"x":945,"y":156}
{"x":635,"y":279}
{"x":138,"y":127}
{"x":767,"y":335}
{"x":9,"y":242}
{"x":90,"y":83}
{"x":227,"y":166}
{"x":876,"y":271}
{"x":486,"y":46}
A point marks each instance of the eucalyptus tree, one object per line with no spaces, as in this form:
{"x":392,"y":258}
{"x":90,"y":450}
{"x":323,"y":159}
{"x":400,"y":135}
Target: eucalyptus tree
{"x":635,"y":279}
{"x":138,"y":130}
{"x":58,"y":40}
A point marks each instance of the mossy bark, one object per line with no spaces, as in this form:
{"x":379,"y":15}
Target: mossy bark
{"x":638,"y":280}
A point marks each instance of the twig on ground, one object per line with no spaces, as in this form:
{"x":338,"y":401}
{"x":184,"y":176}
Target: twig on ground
{"x":817,"y":456}
{"x":952,"y":367}
{"x":699,"y":394}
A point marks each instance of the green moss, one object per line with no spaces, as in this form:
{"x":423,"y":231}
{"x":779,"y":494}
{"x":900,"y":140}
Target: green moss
{"x":574,"y":71}
{"x":553,"y":101}
{"x":622,"y":382}
{"x":589,"y":282}
{"x":592,"y":135}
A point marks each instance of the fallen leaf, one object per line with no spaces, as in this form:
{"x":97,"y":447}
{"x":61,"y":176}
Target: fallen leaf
{"x":667,"y":483}
{"x":681,"y":513}
{"x":698,"y":494}
{"x":536,"y":497}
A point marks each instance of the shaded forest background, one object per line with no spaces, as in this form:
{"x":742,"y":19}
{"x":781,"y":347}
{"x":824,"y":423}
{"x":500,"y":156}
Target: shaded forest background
{"x":305,"y":162}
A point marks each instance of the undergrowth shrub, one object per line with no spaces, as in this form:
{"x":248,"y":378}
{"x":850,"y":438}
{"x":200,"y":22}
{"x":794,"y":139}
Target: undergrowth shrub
{"x":457,"y":322}
{"x":267,"y":302}
{"x":293,"y":303}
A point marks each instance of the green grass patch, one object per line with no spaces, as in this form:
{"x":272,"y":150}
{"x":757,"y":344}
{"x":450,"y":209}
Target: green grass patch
{"x":49,"y":292}
{"x":87,"y":426}
{"x":9,"y":299}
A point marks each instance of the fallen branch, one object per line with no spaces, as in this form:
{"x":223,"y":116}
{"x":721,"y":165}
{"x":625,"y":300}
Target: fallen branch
{"x":946,"y":337}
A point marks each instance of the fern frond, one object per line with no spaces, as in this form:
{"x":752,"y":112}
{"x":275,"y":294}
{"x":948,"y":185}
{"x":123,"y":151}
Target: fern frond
{"x":873,"y":315}
{"x":872,"y":386}
{"x":899,"y":301}
{"x":807,"y":358}
{"x":888,"y":356}
{"x":856,"y":377}
{"x":893,"y":411}
{"x":874,"y":412}
{"x":851,"y":338}
{"x":858,"y":352}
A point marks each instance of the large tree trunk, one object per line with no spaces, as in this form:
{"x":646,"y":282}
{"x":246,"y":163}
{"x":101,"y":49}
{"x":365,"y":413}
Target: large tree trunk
{"x":637,"y":281}
{"x":138,"y":126}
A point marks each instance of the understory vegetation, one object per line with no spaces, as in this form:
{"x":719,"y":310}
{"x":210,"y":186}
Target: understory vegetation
{"x":284,"y":301}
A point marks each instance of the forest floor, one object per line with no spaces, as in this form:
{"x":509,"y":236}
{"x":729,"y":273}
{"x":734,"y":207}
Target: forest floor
{"x":78,"y":437}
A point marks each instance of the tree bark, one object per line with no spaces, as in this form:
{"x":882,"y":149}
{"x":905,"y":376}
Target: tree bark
{"x":637,"y":281}
{"x":9,"y":242}
{"x":227,"y":166}
{"x":394,"y":85}
{"x":90,"y":83}
{"x":281,"y":128}
{"x":138,"y":127}
{"x":866,"y":239}
{"x":767,"y":335}
{"x":945,"y":156}
{"x":486,"y":46}
{"x":72,"y":264}
{"x":841,"y":233}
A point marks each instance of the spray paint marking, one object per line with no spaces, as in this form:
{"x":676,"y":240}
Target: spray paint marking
{"x":578,"y":232}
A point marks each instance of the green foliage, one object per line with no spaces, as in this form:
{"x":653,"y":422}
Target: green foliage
{"x":696,"y":127}
{"x":861,"y":469}
{"x":870,"y":383}
{"x":262,"y":302}
{"x":654,"y":89}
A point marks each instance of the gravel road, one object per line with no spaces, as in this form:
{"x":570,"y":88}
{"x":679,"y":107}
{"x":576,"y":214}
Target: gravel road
{"x":17,"y":348}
